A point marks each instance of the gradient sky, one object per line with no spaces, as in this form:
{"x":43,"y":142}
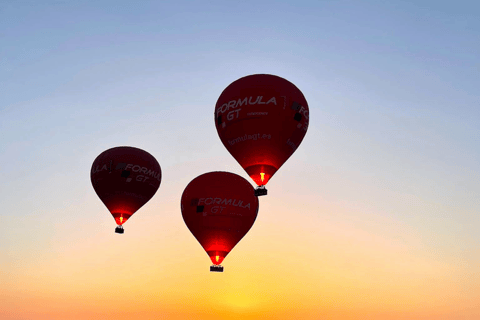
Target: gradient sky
{"x":376,"y":215}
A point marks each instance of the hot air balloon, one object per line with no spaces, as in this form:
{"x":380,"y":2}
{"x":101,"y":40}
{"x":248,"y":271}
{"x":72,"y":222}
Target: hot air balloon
{"x":261,"y":120}
{"x":219,"y":208}
{"x":125,"y":178}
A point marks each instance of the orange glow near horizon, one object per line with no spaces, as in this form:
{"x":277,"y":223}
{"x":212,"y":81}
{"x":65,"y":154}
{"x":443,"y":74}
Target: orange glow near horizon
{"x":334,"y":261}
{"x":333,"y":269}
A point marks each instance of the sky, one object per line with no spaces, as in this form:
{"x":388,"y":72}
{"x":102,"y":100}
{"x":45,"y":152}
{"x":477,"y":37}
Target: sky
{"x":375,"y":216}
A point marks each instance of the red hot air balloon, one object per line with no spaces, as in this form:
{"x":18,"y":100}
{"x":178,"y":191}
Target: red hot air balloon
{"x":219,"y":208}
{"x":125,"y":178}
{"x":261,"y":120}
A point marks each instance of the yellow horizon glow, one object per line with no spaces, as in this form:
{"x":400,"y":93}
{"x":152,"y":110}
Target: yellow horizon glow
{"x":330,"y":270}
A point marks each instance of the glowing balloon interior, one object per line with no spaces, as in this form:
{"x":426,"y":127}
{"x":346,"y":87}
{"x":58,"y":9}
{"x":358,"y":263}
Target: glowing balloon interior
{"x":219,"y":208}
{"x":125,"y":178}
{"x":261,"y":120}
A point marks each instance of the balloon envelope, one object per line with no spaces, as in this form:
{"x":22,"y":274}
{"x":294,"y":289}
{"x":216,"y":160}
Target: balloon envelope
{"x":125,"y":178}
{"x":261,"y":120}
{"x":219,"y":208}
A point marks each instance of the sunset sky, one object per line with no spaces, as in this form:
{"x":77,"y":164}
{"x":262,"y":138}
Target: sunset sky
{"x":375,"y":216}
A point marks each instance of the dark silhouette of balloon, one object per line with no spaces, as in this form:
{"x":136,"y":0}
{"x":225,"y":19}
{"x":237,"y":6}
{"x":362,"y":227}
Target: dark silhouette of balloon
{"x":219,"y":208}
{"x":125,"y":178}
{"x":261,"y":120}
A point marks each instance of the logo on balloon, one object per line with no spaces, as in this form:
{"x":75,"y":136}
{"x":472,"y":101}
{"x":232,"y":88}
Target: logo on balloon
{"x":232,"y":104}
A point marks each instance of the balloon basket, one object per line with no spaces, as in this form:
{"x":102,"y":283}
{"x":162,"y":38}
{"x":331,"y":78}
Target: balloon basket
{"x":215,"y":268}
{"x":119,"y":229}
{"x":260,"y":191}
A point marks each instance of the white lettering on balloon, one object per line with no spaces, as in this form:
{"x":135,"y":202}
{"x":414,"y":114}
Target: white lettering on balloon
{"x":255,"y":136}
{"x":147,"y":173}
{"x":233,"y":104}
